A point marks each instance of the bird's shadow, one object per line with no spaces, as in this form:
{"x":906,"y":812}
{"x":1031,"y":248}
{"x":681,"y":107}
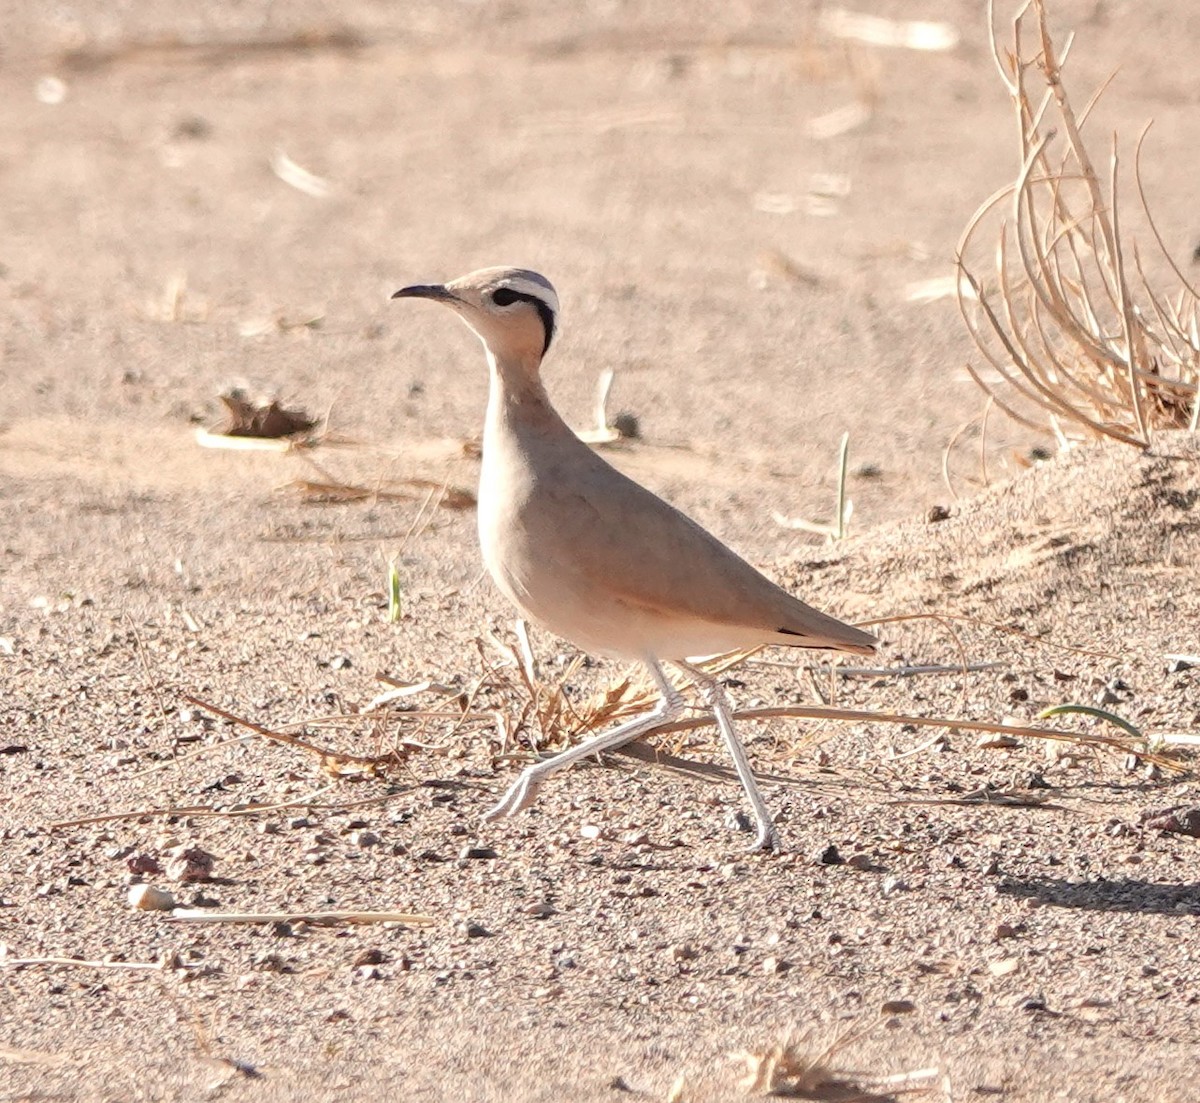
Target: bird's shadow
{"x":1132,"y":896}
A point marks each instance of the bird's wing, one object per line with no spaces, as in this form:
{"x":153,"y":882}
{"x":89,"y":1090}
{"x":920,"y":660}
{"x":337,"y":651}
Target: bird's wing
{"x":642,"y":551}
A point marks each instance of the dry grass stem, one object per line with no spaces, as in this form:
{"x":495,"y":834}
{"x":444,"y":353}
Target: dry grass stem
{"x":1132,"y":746}
{"x":876,"y":30}
{"x":394,"y":490}
{"x":605,"y":431}
{"x":334,"y":763}
{"x":1078,"y":337}
{"x":316,"y":919}
{"x":170,"y":49}
{"x":19,"y":962}
{"x":179,"y":811}
{"x":298,"y":177}
{"x":904,"y":671}
{"x":330,"y":489}
{"x":308,"y":802}
{"x":13,"y":1055}
{"x":208,"y":438}
{"x":993,"y":626}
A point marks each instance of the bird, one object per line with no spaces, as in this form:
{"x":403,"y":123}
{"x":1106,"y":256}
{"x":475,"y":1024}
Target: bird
{"x":596,"y":558}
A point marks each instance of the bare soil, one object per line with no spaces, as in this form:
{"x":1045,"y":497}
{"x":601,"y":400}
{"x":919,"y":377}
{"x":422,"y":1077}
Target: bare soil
{"x":616,"y":941}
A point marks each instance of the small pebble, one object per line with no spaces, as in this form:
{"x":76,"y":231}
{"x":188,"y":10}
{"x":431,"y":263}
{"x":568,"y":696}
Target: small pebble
{"x":270,"y":962}
{"x":739,"y":821}
{"x":364,"y":839}
{"x":991,"y":741}
{"x":147,"y":898}
{"x":830,"y":856}
{"x":481,"y":853}
{"x":627,"y":425}
{"x":1003,"y":968}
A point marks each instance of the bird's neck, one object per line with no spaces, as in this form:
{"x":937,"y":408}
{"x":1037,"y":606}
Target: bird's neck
{"x":518,"y":403}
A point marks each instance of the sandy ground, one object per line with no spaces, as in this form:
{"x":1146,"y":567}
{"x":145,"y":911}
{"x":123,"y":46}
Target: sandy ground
{"x":748,"y":283}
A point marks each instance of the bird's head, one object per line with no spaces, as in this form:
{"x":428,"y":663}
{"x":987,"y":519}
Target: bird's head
{"x":512,"y":310}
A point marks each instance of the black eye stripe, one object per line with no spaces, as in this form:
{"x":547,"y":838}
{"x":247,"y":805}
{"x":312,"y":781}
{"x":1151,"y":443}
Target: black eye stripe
{"x":506,"y":296}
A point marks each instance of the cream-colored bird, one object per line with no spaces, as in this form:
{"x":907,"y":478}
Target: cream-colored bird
{"x":596,"y":558}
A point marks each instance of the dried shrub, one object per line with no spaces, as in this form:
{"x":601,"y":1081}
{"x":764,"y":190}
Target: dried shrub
{"x":1076,"y":334}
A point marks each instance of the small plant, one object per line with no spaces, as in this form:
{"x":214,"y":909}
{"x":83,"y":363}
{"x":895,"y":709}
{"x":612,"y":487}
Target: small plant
{"x":840,"y":528}
{"x":394,"y":592}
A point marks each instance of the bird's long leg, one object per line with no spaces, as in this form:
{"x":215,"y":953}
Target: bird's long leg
{"x":522,"y":792}
{"x":767,"y":837}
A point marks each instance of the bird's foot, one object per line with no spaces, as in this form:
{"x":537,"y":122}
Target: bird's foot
{"x":520,"y":794}
{"x":767,"y":838}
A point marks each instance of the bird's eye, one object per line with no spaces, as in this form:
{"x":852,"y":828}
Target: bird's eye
{"x":504,"y":297}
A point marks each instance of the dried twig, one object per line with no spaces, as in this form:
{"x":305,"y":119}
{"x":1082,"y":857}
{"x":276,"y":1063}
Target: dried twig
{"x":316,"y":919}
{"x":448,"y":497}
{"x":334,"y":763}
{"x":817,"y":712}
{"x":19,"y":962}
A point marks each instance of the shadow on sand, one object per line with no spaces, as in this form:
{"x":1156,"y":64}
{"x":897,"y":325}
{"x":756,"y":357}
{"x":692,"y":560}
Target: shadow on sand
{"x":1145,"y":897}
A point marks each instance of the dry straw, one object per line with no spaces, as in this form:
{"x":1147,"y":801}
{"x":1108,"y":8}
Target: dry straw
{"x":1076,"y":334}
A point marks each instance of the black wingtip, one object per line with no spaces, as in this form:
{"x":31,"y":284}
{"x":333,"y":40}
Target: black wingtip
{"x":867,"y":647}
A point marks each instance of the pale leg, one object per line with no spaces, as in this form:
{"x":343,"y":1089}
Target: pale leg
{"x":767,"y":837}
{"x":524,"y":789}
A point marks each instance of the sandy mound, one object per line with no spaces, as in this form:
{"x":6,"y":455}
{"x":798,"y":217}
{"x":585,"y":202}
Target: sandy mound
{"x":1080,"y":544}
